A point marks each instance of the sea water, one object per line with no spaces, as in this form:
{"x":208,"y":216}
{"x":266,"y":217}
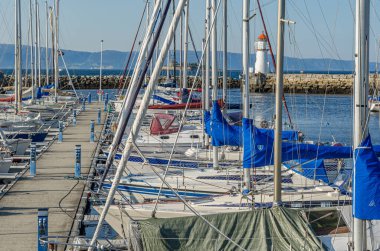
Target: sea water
{"x":322,"y":118}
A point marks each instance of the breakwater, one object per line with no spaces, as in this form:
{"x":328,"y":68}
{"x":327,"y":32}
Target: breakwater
{"x":293,"y":83}
{"x":312,"y":83}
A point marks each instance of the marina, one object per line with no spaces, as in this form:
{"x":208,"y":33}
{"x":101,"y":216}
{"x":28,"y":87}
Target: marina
{"x":190,"y":143}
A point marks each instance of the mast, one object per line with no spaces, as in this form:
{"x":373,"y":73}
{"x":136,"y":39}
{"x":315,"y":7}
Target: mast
{"x":181,"y":56}
{"x":16,"y":58}
{"x":52,"y":40}
{"x":168,"y":66}
{"x":207,"y":66}
{"x":19,"y":59}
{"x":100,"y":70}
{"x":35,"y":49}
{"x":360,"y":101}
{"x":224,"y":95}
{"x":140,"y":114}
{"x":186,"y":45}
{"x":146,"y":26}
{"x":203,"y":97}
{"x":31,"y":49}
{"x":38,"y":31}
{"x":279,"y":94}
{"x":56,"y":69}
{"x":214,"y":73}
{"x":18,"y":76}
{"x":246,"y":39}
{"x":158,"y":42}
{"x":128,"y":101}
{"x":152,"y":63}
{"x":47,"y":44}
{"x":174,"y":51}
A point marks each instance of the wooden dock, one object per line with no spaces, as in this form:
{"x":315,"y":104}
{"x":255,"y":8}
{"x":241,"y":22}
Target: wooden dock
{"x":51,"y":188}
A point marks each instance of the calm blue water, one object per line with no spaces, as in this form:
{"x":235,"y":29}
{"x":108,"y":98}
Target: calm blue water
{"x":321,"y":118}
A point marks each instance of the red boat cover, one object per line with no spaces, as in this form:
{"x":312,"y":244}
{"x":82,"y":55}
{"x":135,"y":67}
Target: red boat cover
{"x":8,"y":99}
{"x":195,"y":105}
{"x":163,"y":124}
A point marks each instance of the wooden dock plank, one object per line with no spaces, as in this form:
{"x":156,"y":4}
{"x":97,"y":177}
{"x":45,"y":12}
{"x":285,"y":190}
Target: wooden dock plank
{"x":18,"y":208}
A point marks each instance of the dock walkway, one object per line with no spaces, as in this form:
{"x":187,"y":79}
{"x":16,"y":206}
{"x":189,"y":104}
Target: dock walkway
{"x":49,"y":189}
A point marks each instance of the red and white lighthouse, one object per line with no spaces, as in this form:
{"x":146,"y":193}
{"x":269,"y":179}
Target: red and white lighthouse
{"x":261,"y":64}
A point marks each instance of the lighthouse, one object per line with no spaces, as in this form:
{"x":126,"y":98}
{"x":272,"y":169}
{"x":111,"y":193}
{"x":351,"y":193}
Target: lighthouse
{"x":261,"y":64}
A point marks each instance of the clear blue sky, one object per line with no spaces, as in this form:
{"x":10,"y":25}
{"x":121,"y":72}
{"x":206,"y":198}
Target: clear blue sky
{"x":324,"y":28}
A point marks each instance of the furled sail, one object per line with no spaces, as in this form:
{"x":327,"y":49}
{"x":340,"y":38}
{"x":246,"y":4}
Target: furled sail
{"x":222,"y":133}
{"x":258,"y":149}
{"x":366,"y":188}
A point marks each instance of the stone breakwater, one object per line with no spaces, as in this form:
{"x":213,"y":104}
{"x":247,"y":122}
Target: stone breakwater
{"x":293,"y":83}
{"x":79,"y":82}
{"x":313,"y":83}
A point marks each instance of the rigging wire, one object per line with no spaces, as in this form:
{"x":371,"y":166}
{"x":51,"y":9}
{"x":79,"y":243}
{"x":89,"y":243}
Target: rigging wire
{"x":330,"y":32}
{"x":213,"y":26}
{"x":5,"y":22}
{"x":274,"y":61}
{"x":295,"y":48}
{"x":134,"y":60}
{"x":133,"y":46}
{"x":317,"y":35}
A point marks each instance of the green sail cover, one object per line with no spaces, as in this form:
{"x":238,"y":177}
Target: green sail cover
{"x":262,"y":229}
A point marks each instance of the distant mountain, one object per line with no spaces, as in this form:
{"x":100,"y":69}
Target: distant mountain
{"x":117,"y":60}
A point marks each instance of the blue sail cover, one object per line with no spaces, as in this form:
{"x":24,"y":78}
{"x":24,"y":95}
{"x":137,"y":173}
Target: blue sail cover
{"x":39,"y":94}
{"x":163,"y":100}
{"x":366,"y":185}
{"x":258,"y":149}
{"x":222,"y":133}
{"x":311,"y":169}
{"x":49,"y":86}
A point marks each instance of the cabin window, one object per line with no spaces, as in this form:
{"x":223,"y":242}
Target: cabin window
{"x":329,"y":221}
{"x":194,"y":136}
{"x":164,"y":137}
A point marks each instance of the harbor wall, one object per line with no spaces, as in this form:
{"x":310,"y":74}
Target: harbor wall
{"x":310,"y":83}
{"x":293,"y":83}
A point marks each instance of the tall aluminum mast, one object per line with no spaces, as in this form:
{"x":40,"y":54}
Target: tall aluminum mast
{"x":214,"y":73}
{"x":279,"y":94}
{"x":246,"y":36}
{"x":56,"y":39}
{"x":140,"y":114}
{"x":47,"y":44}
{"x":360,"y":101}
{"x":207,"y":66}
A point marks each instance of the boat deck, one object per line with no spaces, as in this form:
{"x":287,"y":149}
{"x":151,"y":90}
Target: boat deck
{"x":51,"y":188}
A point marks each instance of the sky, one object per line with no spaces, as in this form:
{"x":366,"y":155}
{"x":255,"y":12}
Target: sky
{"x":323,"y":28}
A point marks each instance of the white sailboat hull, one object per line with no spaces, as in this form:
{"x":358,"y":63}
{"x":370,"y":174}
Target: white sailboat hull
{"x":5,"y":166}
{"x":374,"y":106}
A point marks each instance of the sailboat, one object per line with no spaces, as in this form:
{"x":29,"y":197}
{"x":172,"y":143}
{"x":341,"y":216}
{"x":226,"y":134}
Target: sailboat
{"x":287,"y":229}
{"x":374,"y":100}
{"x":127,"y":151}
